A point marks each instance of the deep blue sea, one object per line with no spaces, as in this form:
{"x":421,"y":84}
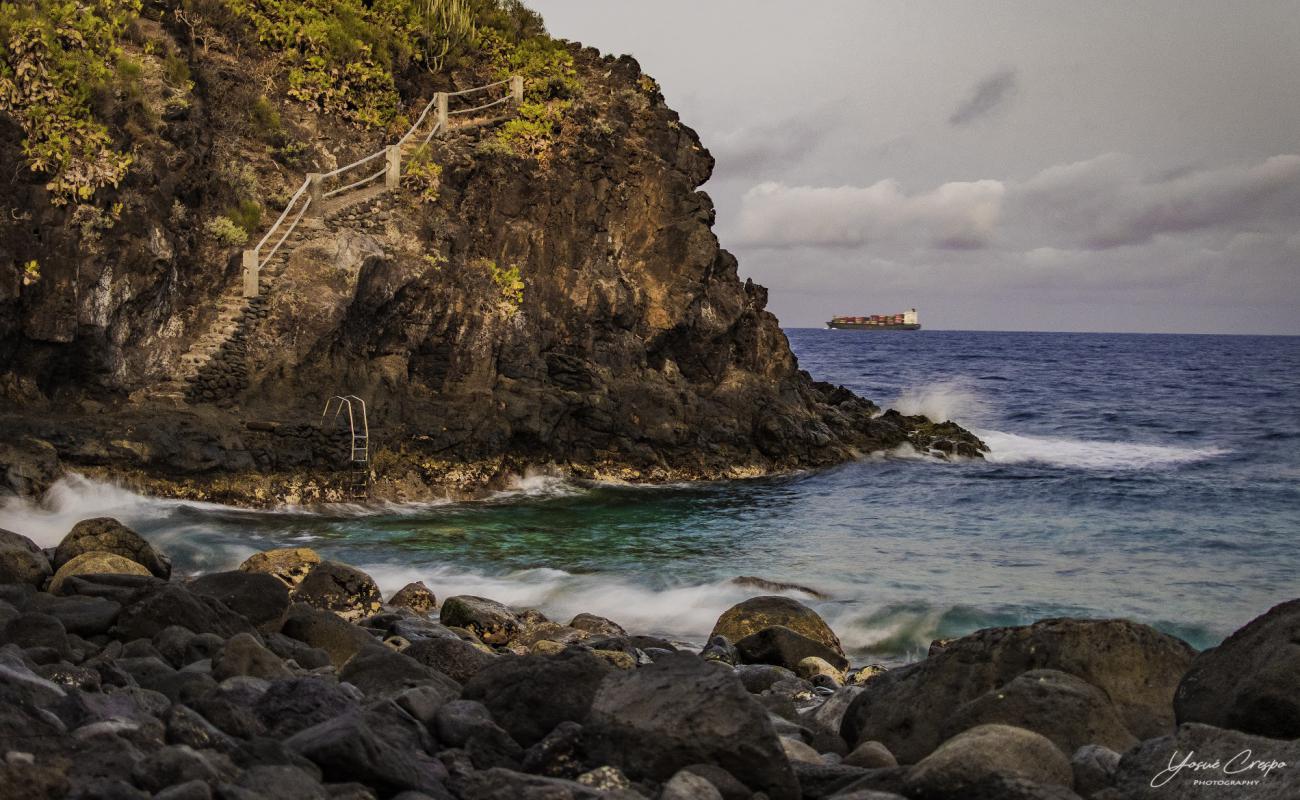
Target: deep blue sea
{"x":1143,"y":476}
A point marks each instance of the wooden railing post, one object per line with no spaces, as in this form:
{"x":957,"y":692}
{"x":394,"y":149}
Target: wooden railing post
{"x":517,"y":88}
{"x":251,"y":270}
{"x":393,"y":177}
{"x":316,"y":192}
{"x":441,"y":97}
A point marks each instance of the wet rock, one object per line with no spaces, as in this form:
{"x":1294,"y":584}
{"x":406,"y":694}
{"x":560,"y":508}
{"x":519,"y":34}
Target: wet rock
{"x":719,"y":649}
{"x":415,"y":596}
{"x":864,"y":675}
{"x":1069,"y":711}
{"x":457,"y":659}
{"x":325,"y":630}
{"x":752,"y":582}
{"x":1094,"y":768}
{"x":383,"y":748}
{"x":758,"y":613}
{"x":1250,"y":682}
{"x":785,"y":647}
{"x":244,"y":655}
{"x":22,"y":561}
{"x":348,"y":592}
{"x":107,"y":535}
{"x":258,"y":597}
{"x":290,"y":565}
{"x":1137,"y":667}
{"x":594,"y":624}
{"x":679,"y":711}
{"x":530,"y":695}
{"x":156,"y":608}
{"x":488,"y":619}
{"x":94,"y":563}
{"x":973,"y":757}
{"x":1150,"y":770}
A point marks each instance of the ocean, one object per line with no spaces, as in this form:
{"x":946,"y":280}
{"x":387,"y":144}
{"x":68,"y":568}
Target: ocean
{"x":1151,"y":477}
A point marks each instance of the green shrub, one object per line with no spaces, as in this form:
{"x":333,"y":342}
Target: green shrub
{"x":247,"y":215}
{"x":176,"y":71}
{"x":265,"y":118}
{"x":226,"y":231}
{"x":55,"y":57}
{"x":508,"y":281}
{"x":532,"y":132}
{"x":423,"y":175}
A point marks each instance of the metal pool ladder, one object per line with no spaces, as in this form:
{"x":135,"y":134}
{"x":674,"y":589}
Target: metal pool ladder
{"x":359,"y":479}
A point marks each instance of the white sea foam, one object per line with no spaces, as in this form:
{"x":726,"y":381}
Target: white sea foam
{"x":72,"y":499}
{"x":955,"y":399}
{"x":1014,"y":448}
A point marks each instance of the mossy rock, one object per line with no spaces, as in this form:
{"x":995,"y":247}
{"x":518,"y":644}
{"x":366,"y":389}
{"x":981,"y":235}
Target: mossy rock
{"x":289,"y":564}
{"x":107,"y":535}
{"x":759,"y":613}
{"x":95,"y":563}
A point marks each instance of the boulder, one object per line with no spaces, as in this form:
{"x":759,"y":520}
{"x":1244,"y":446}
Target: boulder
{"x":244,"y":655}
{"x":1069,"y":711}
{"x":325,"y":630}
{"x":500,"y":783}
{"x":468,"y":725}
{"x":380,"y":672}
{"x":382,"y":747}
{"x":680,"y":711}
{"x":156,"y":608}
{"x":290,"y":565}
{"x":594,"y":624}
{"x":257,"y":597}
{"x":686,"y":785}
{"x":455,"y":658}
{"x":84,"y":616}
{"x":22,"y":561}
{"x":415,"y":596}
{"x":1094,"y":768}
{"x":487,"y":619}
{"x":1251,"y":682}
{"x":348,"y":592}
{"x":296,"y":704}
{"x":107,"y":535}
{"x":813,"y":666}
{"x":1136,"y":666}
{"x":870,"y":755}
{"x":785,"y":647}
{"x":1151,"y":770}
{"x":530,"y":695}
{"x":94,"y":563}
{"x":756,"y":613}
{"x":975,"y":756}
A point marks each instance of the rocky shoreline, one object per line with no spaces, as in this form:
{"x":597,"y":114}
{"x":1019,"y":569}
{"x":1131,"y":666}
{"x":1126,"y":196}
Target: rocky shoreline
{"x":293,"y":677}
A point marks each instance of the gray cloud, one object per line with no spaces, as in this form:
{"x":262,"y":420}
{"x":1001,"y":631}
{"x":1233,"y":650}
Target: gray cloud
{"x":767,"y":147}
{"x":987,"y":95}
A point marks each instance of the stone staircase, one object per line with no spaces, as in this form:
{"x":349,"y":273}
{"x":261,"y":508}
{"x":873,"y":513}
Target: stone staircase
{"x":214,"y":369}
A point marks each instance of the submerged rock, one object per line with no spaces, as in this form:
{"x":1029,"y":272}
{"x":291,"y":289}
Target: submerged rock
{"x":1250,"y":682}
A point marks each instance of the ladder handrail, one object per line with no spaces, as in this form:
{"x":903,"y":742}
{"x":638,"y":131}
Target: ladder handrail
{"x":347,"y":402}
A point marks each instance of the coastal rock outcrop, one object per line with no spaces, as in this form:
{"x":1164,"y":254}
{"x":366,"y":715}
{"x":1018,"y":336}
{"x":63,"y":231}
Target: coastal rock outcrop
{"x":107,"y":535}
{"x":1136,"y":667}
{"x":1250,"y":682}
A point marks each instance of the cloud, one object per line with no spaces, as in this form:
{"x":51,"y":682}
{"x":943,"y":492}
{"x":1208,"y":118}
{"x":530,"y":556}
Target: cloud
{"x":959,"y":215}
{"x":985,"y":97}
{"x":771,"y":146}
{"x":1105,"y":202}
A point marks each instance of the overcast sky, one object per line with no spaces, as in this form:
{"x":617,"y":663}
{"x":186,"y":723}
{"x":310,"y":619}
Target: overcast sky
{"x":1037,"y":165}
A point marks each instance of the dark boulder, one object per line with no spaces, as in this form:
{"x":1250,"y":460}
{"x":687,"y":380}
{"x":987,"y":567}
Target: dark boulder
{"x":974,"y":757}
{"x":530,"y":695}
{"x":33,"y":630}
{"x":415,"y":596}
{"x":680,"y":711}
{"x":289,"y":565}
{"x":256,"y":596}
{"x":154,"y":608}
{"x":22,"y":561}
{"x":95,"y":562}
{"x":244,"y":655}
{"x":119,"y":588}
{"x":380,"y":672}
{"x":468,"y":725}
{"x":325,"y":630}
{"x":487,"y":619}
{"x":756,"y":613}
{"x":455,"y":658}
{"x":292,"y":705}
{"x":344,"y":590}
{"x":84,"y":616}
{"x":1251,"y":682}
{"x":383,"y":748}
{"x":1067,"y":710}
{"x":558,"y":755}
{"x":599,"y":625}
{"x":784,"y":647}
{"x":1137,"y":667}
{"x":107,"y":535}
{"x":503,"y":784}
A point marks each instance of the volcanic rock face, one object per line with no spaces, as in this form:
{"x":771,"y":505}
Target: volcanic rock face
{"x":636,"y":350}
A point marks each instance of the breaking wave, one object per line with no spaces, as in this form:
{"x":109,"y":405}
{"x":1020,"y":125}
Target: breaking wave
{"x":1014,"y":448}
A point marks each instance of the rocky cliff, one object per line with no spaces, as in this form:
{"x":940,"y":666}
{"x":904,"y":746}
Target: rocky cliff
{"x":548,"y":295}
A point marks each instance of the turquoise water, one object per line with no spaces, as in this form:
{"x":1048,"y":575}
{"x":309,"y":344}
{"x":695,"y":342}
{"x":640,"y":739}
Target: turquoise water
{"x":1149,"y":477}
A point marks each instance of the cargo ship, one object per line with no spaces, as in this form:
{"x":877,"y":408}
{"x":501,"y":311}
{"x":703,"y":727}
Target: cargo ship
{"x":906,"y":321}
